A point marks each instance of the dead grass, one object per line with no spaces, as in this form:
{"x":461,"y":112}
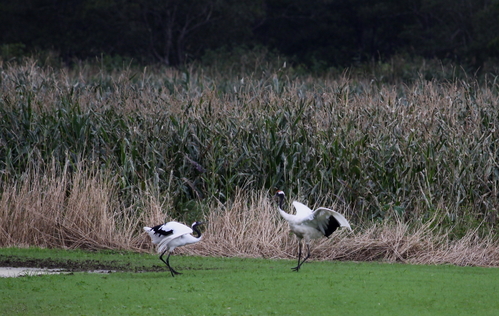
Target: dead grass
{"x":57,"y":210}
{"x":252,"y":227}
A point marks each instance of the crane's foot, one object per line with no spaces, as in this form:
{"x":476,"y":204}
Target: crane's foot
{"x":173,"y":272}
{"x":297,"y":268}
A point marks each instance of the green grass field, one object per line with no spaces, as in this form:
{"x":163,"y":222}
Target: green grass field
{"x":235,"y":286}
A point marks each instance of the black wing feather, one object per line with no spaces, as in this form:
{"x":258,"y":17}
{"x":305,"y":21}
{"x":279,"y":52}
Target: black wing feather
{"x":332,"y":225}
{"x":157,"y":230}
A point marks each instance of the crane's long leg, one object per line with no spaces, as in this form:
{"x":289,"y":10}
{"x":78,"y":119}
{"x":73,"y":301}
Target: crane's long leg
{"x":308,"y":254}
{"x":297,"y":268}
{"x":299,"y":257}
{"x":167,"y":262}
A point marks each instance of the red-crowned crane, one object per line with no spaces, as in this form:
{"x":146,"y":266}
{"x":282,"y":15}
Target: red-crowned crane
{"x":308,"y":224}
{"x":171,"y":235}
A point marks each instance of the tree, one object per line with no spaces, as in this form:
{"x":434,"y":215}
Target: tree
{"x":450,"y":29}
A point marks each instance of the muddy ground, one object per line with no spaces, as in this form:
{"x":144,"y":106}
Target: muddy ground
{"x":75,"y":266}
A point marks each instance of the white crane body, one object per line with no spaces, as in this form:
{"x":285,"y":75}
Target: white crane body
{"x":171,"y":235}
{"x":307,"y":224}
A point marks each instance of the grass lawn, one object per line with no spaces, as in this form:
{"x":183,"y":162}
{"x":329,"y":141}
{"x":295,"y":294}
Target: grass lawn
{"x":233,"y":286}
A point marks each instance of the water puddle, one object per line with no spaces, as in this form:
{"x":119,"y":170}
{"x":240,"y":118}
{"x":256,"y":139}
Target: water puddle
{"x":16,"y":272}
{"x":8,"y":272}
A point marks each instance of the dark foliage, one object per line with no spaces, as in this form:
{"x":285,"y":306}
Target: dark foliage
{"x":316,"y":32}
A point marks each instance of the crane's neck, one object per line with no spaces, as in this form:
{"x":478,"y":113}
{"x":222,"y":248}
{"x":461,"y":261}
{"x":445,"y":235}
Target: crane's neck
{"x":281,"y":201}
{"x":285,"y":215}
{"x":196,"y":230}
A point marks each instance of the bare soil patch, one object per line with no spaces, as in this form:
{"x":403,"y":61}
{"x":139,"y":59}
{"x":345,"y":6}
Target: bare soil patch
{"x":75,"y":265}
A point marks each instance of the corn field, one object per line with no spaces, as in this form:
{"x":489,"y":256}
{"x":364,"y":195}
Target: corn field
{"x":88,"y":156}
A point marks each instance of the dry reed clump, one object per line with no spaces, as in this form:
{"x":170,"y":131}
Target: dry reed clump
{"x":252,"y":227}
{"x":81,"y":211}
{"x":59,"y":210}
{"x":248,"y":227}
